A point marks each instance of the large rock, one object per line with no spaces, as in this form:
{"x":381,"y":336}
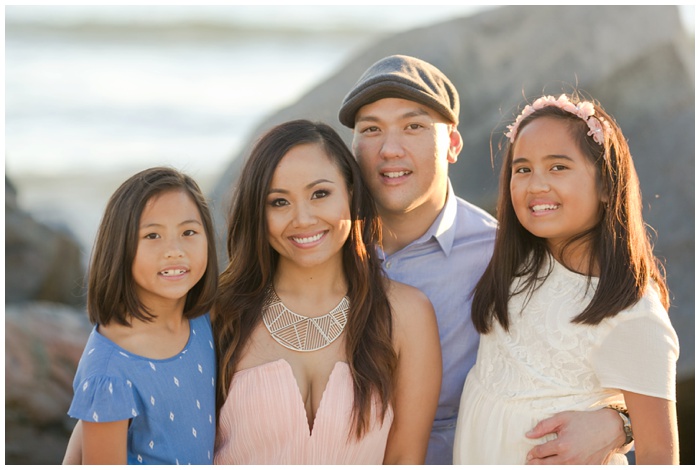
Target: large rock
{"x":636,"y":60}
{"x":41,"y":262}
{"x":43,"y":344}
{"x":45,"y":332}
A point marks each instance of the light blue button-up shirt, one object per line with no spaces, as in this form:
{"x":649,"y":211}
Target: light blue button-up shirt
{"x":446,"y":263}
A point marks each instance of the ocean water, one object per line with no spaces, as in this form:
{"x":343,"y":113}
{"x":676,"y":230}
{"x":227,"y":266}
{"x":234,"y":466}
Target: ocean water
{"x":91,"y":89}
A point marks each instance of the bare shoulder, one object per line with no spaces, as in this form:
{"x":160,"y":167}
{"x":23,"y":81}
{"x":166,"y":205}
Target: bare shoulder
{"x":410,"y":305}
{"x":415,"y":326}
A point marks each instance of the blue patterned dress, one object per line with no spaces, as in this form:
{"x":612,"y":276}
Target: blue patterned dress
{"x":170,"y":402}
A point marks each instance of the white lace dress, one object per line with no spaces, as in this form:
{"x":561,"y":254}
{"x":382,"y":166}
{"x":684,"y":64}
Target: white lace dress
{"x":546,"y":364}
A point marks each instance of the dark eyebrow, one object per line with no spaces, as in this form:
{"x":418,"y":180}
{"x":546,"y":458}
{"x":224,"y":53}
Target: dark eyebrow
{"x":308,"y":186}
{"x":317,"y":182}
{"x":548,"y":157}
{"x":184,"y":222}
{"x":190,"y":221}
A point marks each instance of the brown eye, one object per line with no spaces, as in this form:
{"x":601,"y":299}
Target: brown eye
{"x":279,"y":202}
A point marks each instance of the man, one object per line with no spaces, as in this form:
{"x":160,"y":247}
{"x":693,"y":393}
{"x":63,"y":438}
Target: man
{"x":404,"y":114}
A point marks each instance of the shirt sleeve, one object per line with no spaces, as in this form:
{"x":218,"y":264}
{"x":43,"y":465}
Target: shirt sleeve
{"x":639,"y":353}
{"x":103,"y":399}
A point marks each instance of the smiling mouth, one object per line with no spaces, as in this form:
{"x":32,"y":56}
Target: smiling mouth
{"x":173,"y":272}
{"x":305,"y":240}
{"x":544,"y":207}
{"x":395,"y":174}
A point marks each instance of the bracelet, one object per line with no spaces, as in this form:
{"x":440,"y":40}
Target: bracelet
{"x":626,"y":423}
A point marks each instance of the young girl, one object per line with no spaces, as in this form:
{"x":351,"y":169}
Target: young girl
{"x":145,"y":385}
{"x":572,"y":307}
{"x":323,"y":360}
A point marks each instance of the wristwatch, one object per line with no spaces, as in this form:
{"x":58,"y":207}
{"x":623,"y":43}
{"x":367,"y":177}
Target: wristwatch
{"x":626,"y":423}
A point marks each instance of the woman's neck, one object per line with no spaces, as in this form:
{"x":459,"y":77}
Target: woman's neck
{"x":307,"y":290}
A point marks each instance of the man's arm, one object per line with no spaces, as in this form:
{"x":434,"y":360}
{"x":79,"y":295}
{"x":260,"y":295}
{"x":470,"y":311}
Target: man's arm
{"x":583,"y":437}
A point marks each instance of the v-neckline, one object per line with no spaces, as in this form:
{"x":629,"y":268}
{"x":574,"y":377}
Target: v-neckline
{"x":300,"y":400}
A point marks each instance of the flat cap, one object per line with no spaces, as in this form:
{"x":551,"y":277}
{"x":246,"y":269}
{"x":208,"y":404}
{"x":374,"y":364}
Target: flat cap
{"x":400,"y":76}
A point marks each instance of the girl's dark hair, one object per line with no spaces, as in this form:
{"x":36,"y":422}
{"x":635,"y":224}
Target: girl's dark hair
{"x":619,"y":242}
{"x":252,"y":264}
{"x":111,"y":291}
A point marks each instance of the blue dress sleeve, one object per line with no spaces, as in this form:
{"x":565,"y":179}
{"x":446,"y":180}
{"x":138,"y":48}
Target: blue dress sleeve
{"x":100,"y":399}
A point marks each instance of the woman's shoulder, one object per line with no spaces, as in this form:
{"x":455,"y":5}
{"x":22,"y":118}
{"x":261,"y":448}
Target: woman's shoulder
{"x":403,"y":293}
{"x":415,"y":329}
{"x":409,"y":304}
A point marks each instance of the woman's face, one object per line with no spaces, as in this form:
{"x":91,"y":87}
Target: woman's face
{"x":308,"y":208}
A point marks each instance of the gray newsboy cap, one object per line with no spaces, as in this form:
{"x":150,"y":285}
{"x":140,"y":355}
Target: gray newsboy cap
{"x":400,"y":76}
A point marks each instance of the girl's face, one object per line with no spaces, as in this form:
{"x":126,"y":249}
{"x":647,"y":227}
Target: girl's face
{"x":554,"y":186}
{"x":171,"y":256}
{"x":308,"y":208}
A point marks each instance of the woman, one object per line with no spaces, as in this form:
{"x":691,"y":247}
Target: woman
{"x":322,"y":359}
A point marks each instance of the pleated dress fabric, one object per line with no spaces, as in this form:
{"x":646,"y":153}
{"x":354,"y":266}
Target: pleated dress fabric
{"x":264,"y":422}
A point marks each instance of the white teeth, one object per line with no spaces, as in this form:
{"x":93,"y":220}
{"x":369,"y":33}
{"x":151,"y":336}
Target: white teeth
{"x":544,"y":207}
{"x":308,"y":239}
{"x":173,"y":272}
{"x":395,"y":174}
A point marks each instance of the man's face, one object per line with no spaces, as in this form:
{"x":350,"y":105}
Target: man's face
{"x":404,"y":149}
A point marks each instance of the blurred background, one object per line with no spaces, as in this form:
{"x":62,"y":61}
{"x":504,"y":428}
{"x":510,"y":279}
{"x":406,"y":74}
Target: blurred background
{"x":94,"y":94}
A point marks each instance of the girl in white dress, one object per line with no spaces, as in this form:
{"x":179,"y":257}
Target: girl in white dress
{"x":573,"y":305}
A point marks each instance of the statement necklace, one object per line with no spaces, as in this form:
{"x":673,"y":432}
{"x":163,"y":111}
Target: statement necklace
{"x":300,"y":333}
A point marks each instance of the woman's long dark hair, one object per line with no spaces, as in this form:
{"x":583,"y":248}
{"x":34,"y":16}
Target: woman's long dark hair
{"x":252,"y":264}
{"x":619,"y":243}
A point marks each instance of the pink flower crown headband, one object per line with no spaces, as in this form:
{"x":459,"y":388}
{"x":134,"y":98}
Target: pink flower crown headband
{"x":584,"y":109}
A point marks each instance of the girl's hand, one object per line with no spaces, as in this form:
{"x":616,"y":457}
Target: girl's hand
{"x":105,"y":443}
{"x":583,"y":438}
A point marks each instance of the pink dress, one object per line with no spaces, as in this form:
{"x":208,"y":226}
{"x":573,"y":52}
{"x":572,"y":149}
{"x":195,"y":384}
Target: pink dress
{"x":263,"y":422}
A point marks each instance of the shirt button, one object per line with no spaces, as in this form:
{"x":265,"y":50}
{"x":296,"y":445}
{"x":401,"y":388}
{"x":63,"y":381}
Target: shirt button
{"x":388,"y":264}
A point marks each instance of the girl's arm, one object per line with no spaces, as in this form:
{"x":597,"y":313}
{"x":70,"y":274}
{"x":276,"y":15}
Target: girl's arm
{"x":104,"y":443}
{"x":593,"y":436}
{"x":418,"y":376}
{"x":655,"y":428}
{"x":74,"y":451}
